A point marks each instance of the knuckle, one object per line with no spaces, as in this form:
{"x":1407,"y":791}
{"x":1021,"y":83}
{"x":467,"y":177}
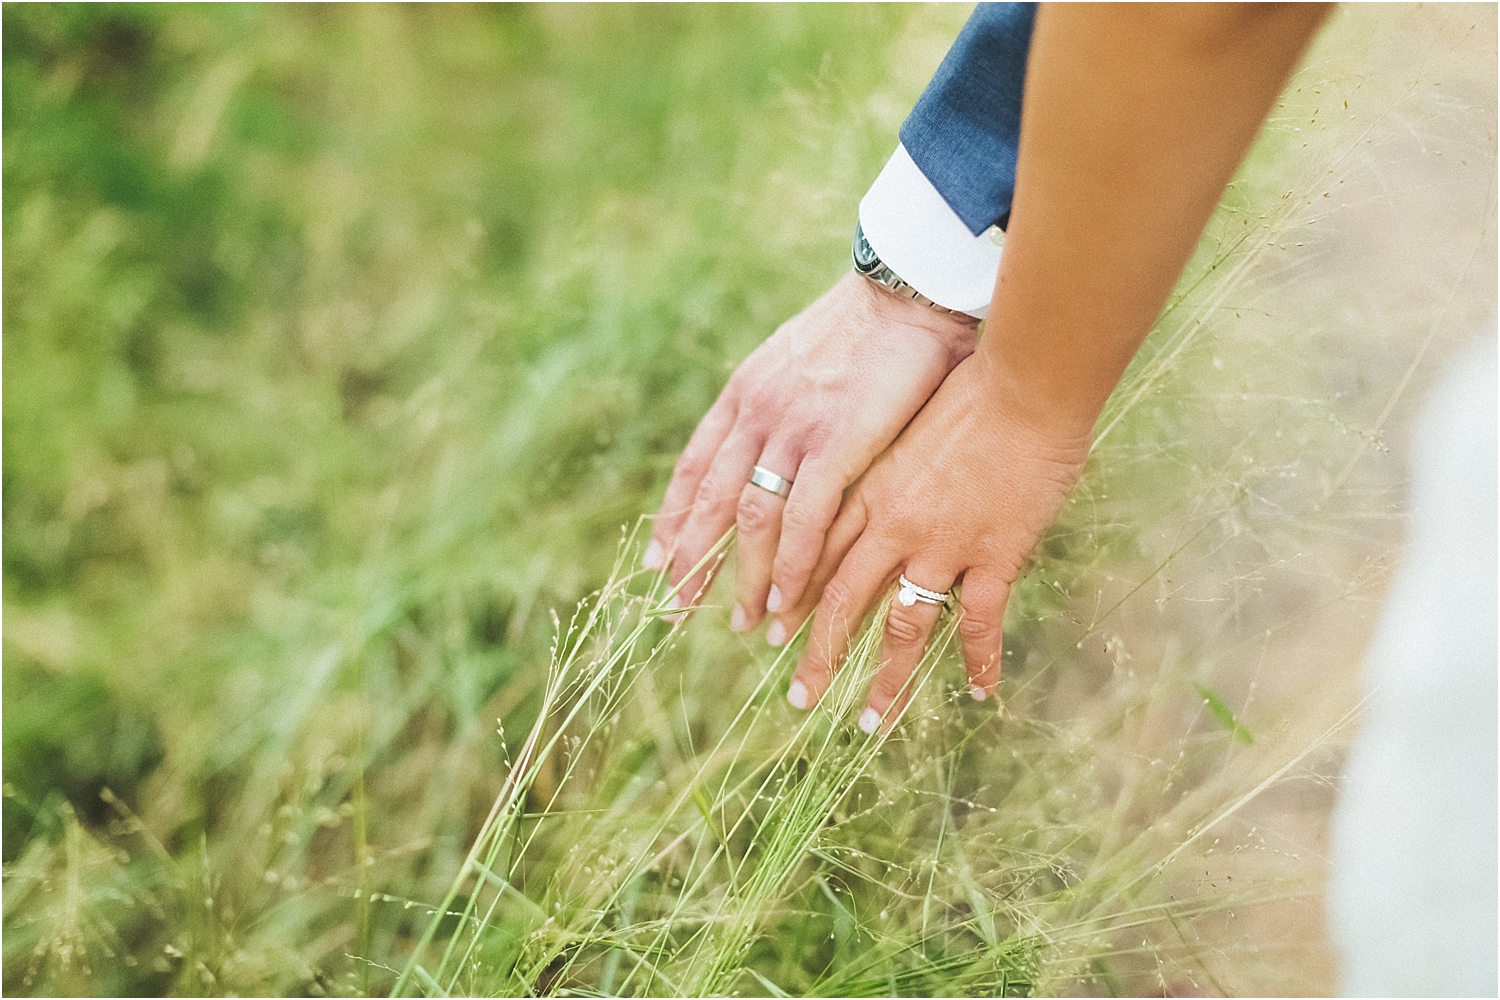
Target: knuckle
{"x":765,"y":399}
{"x":888,"y":684}
{"x":691,"y":464}
{"x":794,"y":518}
{"x":787,"y":571}
{"x":838,"y":599}
{"x":710,"y":493}
{"x":800,"y":519}
{"x":903,"y":632}
{"x":789,"y":562}
{"x":797,"y":516}
{"x":823,"y":659}
{"x":978,"y":628}
{"x":818,"y":436}
{"x":817,"y":666}
{"x":756,"y":511}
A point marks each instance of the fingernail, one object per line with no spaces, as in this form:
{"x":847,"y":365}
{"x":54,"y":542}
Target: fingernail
{"x":869,"y":719}
{"x":976,"y":692}
{"x":675,"y":602}
{"x":652,"y":560}
{"x":773,"y":600}
{"x":737,"y":619}
{"x":797,"y":695}
{"x":776,"y":634}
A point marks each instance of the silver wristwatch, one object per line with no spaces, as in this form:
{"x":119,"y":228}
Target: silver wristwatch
{"x":869,"y":264}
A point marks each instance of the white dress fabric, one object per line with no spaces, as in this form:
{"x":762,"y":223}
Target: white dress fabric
{"x":1412,"y":898}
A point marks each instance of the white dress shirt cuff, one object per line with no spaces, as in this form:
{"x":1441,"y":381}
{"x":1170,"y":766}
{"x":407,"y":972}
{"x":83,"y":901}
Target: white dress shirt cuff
{"x":919,"y":237}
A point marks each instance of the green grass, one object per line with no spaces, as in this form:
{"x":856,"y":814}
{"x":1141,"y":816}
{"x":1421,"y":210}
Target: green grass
{"x":344,"y":350}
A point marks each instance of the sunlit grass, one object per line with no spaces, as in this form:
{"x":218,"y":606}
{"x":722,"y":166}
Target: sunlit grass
{"x":775,"y":853}
{"x":339,"y":346}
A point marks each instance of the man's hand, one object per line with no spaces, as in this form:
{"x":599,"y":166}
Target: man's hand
{"x":1136,"y":116}
{"x":962,"y":495}
{"x":815,"y":403}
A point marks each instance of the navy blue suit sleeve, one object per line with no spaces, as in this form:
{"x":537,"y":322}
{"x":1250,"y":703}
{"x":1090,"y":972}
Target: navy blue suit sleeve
{"x":966,"y":127}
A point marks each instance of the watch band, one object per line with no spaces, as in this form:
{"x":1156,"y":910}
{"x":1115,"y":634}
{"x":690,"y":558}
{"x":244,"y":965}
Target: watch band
{"x":869,"y":264}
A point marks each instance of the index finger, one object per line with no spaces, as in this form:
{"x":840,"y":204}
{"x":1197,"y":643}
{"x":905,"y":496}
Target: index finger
{"x":810,"y":511}
{"x":692,"y":465}
{"x":864,"y":573}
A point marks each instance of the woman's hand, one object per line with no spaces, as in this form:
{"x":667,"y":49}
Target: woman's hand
{"x":815,"y":404}
{"x":962,"y":495}
{"x":1135,"y":118}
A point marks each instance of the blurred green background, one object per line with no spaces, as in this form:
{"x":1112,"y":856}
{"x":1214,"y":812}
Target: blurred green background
{"x":341,"y":341}
{"x":339,"y":336}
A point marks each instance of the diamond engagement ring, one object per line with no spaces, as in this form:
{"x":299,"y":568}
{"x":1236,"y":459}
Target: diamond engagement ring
{"x":910,"y":594}
{"x":770,"y":481}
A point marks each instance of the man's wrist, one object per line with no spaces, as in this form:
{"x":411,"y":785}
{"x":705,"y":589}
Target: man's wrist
{"x":915,"y":232}
{"x":957,"y":333}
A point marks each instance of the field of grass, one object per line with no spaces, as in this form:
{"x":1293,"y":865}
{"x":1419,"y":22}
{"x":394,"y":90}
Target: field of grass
{"x":345,"y":347}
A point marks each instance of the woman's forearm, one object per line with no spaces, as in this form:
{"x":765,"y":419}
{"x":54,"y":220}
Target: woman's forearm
{"x":1135,"y":118}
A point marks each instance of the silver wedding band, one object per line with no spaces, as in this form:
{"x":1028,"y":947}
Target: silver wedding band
{"x":770,"y":481}
{"x":910,"y":594}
